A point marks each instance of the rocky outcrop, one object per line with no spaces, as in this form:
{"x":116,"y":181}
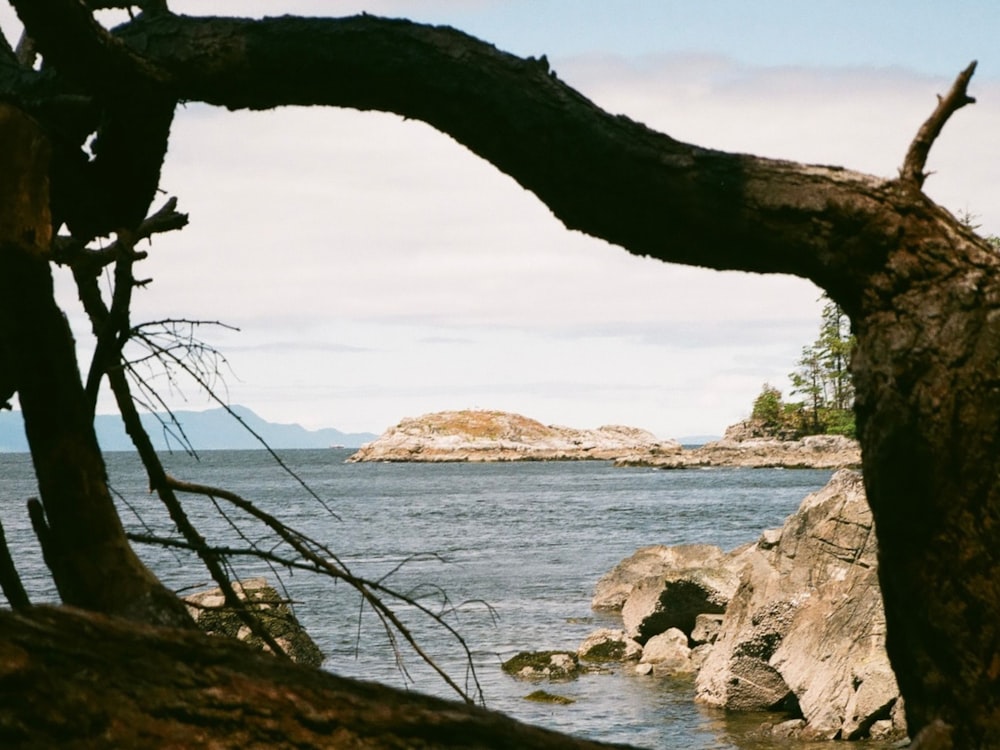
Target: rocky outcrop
{"x":656,"y":561}
{"x":608,"y":645}
{"x":803,"y":631}
{"x":809,"y":610}
{"x":502,"y":436}
{"x":674,"y":600}
{"x":213,"y":617}
{"x":812,"y":452}
{"x":543,"y":665}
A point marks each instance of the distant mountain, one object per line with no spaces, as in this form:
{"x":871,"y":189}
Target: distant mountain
{"x":698,"y":439}
{"x":214,"y":429}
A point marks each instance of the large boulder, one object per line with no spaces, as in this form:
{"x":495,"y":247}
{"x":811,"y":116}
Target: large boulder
{"x":668,"y":653}
{"x":806,"y":625}
{"x":210,"y":613}
{"x":657,"y":561}
{"x":675,"y":600}
{"x":607,"y":645}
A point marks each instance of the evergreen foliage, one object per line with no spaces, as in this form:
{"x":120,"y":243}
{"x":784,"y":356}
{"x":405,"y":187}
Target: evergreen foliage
{"x":822,"y":379}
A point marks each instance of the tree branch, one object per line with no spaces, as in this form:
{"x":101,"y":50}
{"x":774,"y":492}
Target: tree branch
{"x":602,"y":174}
{"x":10,"y":581}
{"x":83,"y":51}
{"x":912,"y":171}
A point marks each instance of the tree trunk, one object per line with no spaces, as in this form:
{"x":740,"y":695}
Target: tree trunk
{"x":927,"y":378}
{"x":81,"y":535}
{"x":75,"y":679}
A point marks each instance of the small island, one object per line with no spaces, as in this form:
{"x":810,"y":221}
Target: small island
{"x":748,"y":446}
{"x":483,"y":435}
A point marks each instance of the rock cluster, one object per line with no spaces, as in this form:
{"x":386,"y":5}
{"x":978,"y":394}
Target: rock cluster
{"x":812,"y":452}
{"x":212,"y":616}
{"x":792,"y":623}
{"x":503,"y":436}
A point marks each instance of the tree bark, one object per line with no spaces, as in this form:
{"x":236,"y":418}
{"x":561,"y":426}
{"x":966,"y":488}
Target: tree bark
{"x":75,"y":679}
{"x":82,"y":537}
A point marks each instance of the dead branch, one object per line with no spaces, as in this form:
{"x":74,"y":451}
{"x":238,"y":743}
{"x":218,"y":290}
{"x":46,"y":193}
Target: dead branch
{"x":916,"y":157}
{"x":68,"y":251}
{"x":10,"y":581}
{"x":326,"y":561}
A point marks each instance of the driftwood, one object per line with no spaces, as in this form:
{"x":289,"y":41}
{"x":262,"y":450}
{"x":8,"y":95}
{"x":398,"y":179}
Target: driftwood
{"x":74,"y":679}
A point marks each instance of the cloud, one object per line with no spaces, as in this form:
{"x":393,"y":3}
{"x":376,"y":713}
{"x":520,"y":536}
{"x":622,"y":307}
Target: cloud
{"x":378,"y":269}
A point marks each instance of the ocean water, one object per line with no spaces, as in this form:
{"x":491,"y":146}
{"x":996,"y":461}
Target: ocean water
{"x":509,"y":553}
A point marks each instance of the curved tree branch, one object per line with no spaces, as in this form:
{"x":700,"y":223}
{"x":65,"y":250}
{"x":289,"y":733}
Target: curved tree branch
{"x":602,"y":174}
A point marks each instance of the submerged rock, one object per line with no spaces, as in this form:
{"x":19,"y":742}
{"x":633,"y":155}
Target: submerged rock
{"x":502,"y":436}
{"x":210,"y":613}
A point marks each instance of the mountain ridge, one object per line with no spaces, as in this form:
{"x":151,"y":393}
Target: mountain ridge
{"x":211,"y":429}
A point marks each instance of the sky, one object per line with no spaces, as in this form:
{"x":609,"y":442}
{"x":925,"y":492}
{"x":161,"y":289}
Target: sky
{"x":377,"y":270}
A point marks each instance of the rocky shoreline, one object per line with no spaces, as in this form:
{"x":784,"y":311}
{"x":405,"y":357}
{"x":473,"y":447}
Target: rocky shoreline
{"x":812,"y":452}
{"x":792,"y":623}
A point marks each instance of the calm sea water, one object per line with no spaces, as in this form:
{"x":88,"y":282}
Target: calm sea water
{"x":528,"y":539}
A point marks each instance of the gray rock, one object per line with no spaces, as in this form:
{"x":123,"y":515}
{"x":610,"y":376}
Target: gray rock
{"x":669,"y":653}
{"x":808,"y":616}
{"x":741,"y":449}
{"x":676,"y":599}
{"x":706,"y":628}
{"x":613,"y":589}
{"x":208,"y":610}
{"x":609,"y":645}
{"x":543,"y":665}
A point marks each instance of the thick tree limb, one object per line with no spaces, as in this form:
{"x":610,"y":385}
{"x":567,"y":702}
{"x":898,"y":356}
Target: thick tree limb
{"x":74,"y":679}
{"x":916,"y":157}
{"x":601,"y":174}
{"x":69,"y":38}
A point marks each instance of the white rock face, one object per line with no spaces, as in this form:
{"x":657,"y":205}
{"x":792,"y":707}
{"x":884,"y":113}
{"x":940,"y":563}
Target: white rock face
{"x":615,"y":586}
{"x":803,"y":630}
{"x":813,"y":452}
{"x":675,"y":600}
{"x":669,"y":653}
{"x":808,"y":619}
{"x":502,"y":436}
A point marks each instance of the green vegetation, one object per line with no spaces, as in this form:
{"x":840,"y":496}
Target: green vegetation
{"x":822,"y":378}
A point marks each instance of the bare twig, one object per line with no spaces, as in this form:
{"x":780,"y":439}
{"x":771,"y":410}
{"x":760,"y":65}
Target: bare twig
{"x":916,"y":157}
{"x":10,"y":581}
{"x":326,"y":562}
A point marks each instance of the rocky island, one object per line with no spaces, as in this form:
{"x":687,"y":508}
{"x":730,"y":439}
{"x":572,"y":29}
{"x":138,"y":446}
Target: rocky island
{"x":745,"y":446}
{"x":481,"y":435}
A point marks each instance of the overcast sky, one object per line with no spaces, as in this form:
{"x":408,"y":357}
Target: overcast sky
{"x":377,"y":270}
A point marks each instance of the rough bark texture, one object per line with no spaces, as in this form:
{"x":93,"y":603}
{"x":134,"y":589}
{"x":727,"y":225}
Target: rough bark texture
{"x":83,"y":540}
{"x":921,"y":290}
{"x":928,"y":405}
{"x":71,"y":679}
